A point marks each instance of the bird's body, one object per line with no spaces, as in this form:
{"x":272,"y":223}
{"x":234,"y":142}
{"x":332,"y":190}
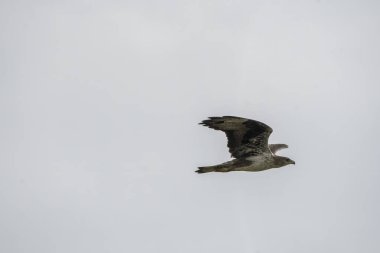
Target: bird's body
{"x":248,"y":144}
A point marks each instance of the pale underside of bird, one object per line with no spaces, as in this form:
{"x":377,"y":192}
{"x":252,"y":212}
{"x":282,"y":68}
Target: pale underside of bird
{"x":248,"y":145}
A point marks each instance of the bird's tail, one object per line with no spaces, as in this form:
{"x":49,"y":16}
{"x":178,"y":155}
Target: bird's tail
{"x":224,"y":167}
{"x":205,"y":169}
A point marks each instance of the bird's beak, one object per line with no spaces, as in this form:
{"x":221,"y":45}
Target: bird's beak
{"x":293,"y":162}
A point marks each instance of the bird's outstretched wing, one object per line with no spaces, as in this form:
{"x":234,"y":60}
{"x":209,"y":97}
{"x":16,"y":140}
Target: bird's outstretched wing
{"x":246,"y":137}
{"x":276,"y":147}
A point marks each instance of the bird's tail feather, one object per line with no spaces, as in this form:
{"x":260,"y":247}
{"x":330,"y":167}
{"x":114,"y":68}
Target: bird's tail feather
{"x":224,"y":167}
{"x":205,"y":169}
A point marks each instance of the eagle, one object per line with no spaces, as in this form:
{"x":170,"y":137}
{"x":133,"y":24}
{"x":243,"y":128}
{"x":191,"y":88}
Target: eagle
{"x":248,"y":145}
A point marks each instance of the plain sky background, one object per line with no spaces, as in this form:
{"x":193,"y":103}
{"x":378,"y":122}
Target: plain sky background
{"x":99,"y":105}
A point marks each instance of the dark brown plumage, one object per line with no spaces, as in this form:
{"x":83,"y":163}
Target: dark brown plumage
{"x":248,"y":143}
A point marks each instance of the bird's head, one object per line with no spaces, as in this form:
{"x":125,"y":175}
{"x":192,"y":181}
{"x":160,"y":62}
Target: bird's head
{"x":282,"y":161}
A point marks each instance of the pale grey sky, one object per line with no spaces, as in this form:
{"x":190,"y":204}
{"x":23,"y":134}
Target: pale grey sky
{"x":100,"y":101}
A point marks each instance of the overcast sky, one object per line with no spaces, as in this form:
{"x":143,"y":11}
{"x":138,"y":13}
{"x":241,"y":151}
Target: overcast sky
{"x":99,"y":105}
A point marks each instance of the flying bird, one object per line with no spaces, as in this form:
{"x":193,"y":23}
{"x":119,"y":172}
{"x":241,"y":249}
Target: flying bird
{"x":248,"y":144}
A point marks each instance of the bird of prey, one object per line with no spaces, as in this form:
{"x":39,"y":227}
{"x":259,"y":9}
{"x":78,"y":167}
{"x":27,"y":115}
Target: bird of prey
{"x":248,"y":144}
